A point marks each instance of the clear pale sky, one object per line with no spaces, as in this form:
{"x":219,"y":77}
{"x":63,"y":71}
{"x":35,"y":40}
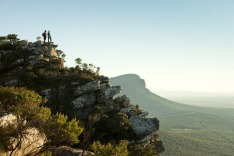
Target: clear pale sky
{"x":172,"y":44}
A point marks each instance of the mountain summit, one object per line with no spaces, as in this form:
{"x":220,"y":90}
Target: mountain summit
{"x":135,"y":87}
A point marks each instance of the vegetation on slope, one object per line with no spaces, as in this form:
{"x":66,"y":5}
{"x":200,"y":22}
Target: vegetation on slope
{"x":25,"y":104}
{"x":103,"y":133}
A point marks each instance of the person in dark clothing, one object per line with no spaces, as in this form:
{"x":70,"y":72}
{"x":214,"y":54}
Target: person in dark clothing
{"x":44,"y":35}
{"x":49,"y":37}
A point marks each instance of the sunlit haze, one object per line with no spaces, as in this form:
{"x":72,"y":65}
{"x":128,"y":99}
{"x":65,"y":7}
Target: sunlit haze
{"x":173,"y":45}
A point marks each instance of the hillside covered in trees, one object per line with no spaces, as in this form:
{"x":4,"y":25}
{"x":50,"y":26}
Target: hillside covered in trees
{"x":49,"y":109}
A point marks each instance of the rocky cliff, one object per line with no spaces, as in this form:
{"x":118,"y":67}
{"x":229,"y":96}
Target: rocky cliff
{"x":77,"y":91}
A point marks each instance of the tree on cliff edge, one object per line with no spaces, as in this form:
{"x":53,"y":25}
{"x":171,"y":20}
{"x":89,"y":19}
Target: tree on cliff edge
{"x":25,"y":104}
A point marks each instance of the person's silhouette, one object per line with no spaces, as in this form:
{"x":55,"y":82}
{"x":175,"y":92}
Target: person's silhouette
{"x":44,"y":35}
{"x":49,"y":37}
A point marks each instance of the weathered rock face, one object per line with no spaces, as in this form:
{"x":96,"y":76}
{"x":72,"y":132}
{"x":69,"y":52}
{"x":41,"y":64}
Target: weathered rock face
{"x":7,"y":119}
{"x":87,"y":88}
{"x":106,"y":95}
{"x":29,"y":140}
{"x":84,"y":100}
{"x":144,"y":126}
{"x":89,"y":95}
{"x":37,"y":54}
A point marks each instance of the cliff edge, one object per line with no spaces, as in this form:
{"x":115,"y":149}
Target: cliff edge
{"x":78,"y":92}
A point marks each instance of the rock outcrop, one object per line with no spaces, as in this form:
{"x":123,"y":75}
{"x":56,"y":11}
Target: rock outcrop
{"x":36,"y":55}
{"x":144,"y":128}
{"x":7,"y":119}
{"x":28,"y":141}
{"x":76,"y":97}
{"x":87,"y":88}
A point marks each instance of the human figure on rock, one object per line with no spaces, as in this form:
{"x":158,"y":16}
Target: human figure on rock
{"x":44,"y":36}
{"x":49,"y":37}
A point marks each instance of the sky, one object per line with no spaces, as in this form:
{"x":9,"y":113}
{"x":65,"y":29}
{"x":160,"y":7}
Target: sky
{"x":183,"y":45}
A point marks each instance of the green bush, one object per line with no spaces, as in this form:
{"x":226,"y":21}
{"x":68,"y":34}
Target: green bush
{"x":109,"y":149}
{"x":21,"y":101}
{"x":63,"y":132}
{"x":26,"y":104}
{"x":138,"y":150}
{"x":113,"y":126}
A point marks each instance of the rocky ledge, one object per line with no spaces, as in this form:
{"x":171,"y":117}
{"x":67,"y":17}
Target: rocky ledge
{"x":101,"y":92}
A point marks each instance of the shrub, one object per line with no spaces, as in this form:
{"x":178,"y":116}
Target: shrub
{"x":138,"y":150}
{"x":110,"y":150}
{"x":21,"y":101}
{"x":26,"y":104}
{"x":113,"y":126}
{"x":63,"y":132}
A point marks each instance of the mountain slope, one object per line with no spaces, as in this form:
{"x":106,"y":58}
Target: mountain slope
{"x":135,"y":87}
{"x":185,"y":130}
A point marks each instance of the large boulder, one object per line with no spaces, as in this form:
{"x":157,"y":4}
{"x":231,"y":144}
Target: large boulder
{"x":28,"y":141}
{"x":144,"y":126}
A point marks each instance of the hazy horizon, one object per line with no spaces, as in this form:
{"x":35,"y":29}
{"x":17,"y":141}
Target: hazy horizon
{"x":173,"y":45}
{"x":203,"y":99}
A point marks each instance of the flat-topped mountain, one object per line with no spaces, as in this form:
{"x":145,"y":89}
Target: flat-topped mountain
{"x":185,"y":129}
{"x":135,"y":87}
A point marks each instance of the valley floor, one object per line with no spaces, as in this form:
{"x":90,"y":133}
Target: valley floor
{"x":196,"y":133}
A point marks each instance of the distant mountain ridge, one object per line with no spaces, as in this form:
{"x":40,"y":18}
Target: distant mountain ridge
{"x":185,"y":129}
{"x":135,"y":87}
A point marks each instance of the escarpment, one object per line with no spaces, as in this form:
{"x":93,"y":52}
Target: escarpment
{"x":78,"y":92}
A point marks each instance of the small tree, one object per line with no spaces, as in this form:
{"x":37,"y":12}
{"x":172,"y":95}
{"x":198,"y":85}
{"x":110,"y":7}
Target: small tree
{"x":13,"y":38}
{"x":85,"y":66}
{"x":60,"y":53}
{"x":3,"y":39}
{"x":63,"y":132}
{"x":78,"y":61}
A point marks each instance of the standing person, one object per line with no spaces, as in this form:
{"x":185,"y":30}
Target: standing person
{"x":49,"y":37}
{"x":44,"y":35}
